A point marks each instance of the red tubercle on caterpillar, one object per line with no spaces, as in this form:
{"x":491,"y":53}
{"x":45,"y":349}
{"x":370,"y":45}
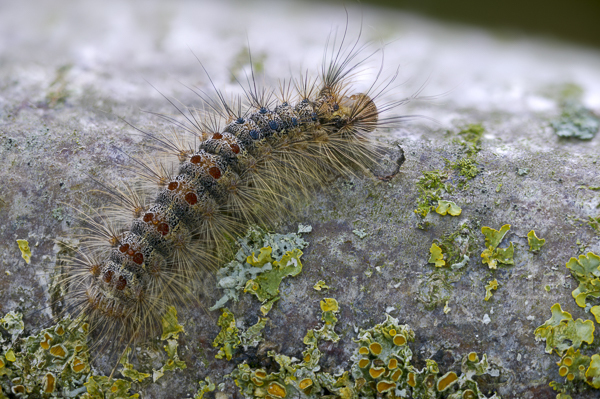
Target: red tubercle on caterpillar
{"x":138,"y":258}
{"x":163,"y":229}
{"x":148,"y":217}
{"x":173,"y":185}
{"x":235,"y":148}
{"x":217,"y":136}
{"x":195,"y":159}
{"x":121,"y":283}
{"x":215,"y":172}
{"x":108,"y":275}
{"x":191,"y":198}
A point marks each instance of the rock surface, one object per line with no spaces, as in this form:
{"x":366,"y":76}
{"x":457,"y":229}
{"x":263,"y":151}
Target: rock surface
{"x":71,"y":73}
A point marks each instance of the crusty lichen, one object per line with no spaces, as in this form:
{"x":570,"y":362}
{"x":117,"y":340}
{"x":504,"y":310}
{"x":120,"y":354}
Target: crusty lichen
{"x":55,"y":361}
{"x":535,"y":243}
{"x":264,"y":267}
{"x":493,"y":255}
{"x":381,"y":367}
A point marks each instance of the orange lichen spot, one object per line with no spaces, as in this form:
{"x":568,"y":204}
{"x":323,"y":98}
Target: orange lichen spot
{"x":163,"y":229}
{"x":59,"y":330}
{"x":196,"y":159}
{"x":568,"y":361}
{"x":215,"y":172}
{"x":469,"y":394}
{"x":411,"y":380}
{"x":392,"y":364}
{"x":473,"y":357}
{"x":58,"y":351}
{"x":148,"y":217}
{"x":114,"y":388}
{"x":397,"y":374}
{"x":260,"y":374}
{"x":376,"y":372}
{"x":307,"y":358}
{"x":385,"y":386}
{"x":138,"y":258}
{"x":78,"y":365}
{"x":78,"y":348}
{"x":173,"y":185}
{"x":399,"y":340}
{"x":276,"y":389}
{"x":305,"y":383}
{"x":363,"y":350}
{"x":108,"y":275}
{"x":217,"y":136}
{"x":375,"y":348}
{"x":570,"y":376}
{"x":191,"y":198}
{"x":257,"y":382}
{"x":235,"y":148}
{"x":18,"y":389}
{"x":1,"y":363}
{"x":446,"y":381}
{"x":581,"y":367}
{"x":95,"y":270}
{"x":362,"y":363}
{"x":563,"y":371}
{"x":124,"y":248}
{"x":49,"y":383}
{"x":121,"y":283}
{"x":392,"y":332}
{"x":45,"y":344}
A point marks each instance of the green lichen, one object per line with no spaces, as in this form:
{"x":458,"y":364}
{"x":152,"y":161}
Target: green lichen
{"x":431,"y":187}
{"x":448,"y":208}
{"x":205,"y":386}
{"x":491,"y":286}
{"x":228,"y":339}
{"x":493,"y":255}
{"x":437,"y":257}
{"x":25,"y":250}
{"x":320,"y":285}
{"x":535,"y":243}
{"x":55,"y":361}
{"x":265,"y":286}
{"x":234,"y":276}
{"x":467,"y":168}
{"x":576,"y":121}
{"x":561,"y":332}
{"x":586,"y":270}
{"x":381,"y":368}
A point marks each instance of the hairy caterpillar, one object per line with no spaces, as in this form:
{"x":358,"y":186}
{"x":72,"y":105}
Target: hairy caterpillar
{"x":236,"y":164}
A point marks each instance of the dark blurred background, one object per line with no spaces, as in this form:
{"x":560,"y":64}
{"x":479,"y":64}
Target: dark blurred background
{"x":571,"y":20}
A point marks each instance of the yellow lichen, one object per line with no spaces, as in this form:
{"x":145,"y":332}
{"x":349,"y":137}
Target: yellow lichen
{"x":468,"y":394}
{"x":376,"y":372}
{"x":58,"y":351}
{"x":305,"y":383}
{"x":437,"y":257}
{"x":362,"y":363}
{"x":473,"y":357}
{"x":397,"y":374}
{"x":25,"y":250}
{"x":363,"y":350}
{"x":276,"y":390}
{"x":392,"y":364}
{"x":385,"y":386}
{"x":399,"y":340}
{"x":411,"y":379}
{"x":446,"y":381}
{"x":375,"y":348}
{"x":49,"y":383}
{"x":45,"y":344}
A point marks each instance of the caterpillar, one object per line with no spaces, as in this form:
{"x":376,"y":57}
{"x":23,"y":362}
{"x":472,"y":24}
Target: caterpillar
{"x":228,"y":164}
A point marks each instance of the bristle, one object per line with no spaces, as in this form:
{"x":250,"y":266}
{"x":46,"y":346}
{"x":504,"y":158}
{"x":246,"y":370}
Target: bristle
{"x":226,"y":166}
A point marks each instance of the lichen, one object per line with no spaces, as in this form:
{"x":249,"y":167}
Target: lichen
{"x":381,"y":367}
{"x":535,"y":243}
{"x":25,"y":250}
{"x":55,"y":361}
{"x":234,"y":276}
{"x":320,"y":285}
{"x":562,"y":332}
{"x":437,"y":257}
{"x":576,"y":121}
{"x":493,"y":255}
{"x":227,"y":339}
{"x":586,"y":270}
{"x":448,"y":208}
{"x":491,"y":285}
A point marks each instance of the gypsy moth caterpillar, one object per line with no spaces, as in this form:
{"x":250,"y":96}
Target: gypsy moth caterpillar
{"x":227,"y":164}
